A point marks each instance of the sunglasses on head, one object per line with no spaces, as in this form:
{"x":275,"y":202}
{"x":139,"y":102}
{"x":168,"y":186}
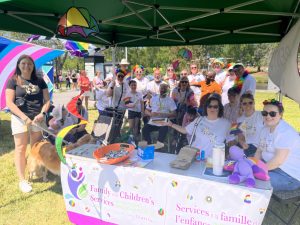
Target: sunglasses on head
{"x":247,"y":103}
{"x":272,"y":113}
{"x":213,"y":106}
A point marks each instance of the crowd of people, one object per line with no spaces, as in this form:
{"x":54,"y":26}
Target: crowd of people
{"x":207,"y":101}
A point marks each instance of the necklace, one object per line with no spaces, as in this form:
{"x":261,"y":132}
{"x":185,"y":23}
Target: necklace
{"x":239,"y":81}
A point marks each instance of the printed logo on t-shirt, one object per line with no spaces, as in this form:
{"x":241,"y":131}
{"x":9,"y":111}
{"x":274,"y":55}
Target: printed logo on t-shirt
{"x":31,"y":89}
{"x":211,"y":136}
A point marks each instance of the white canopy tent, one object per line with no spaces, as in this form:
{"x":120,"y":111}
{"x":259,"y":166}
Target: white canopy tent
{"x":284,"y":66}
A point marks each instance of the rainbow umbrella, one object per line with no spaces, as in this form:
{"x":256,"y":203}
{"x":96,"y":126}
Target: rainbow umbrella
{"x":77,"y":20}
{"x":185,"y":53}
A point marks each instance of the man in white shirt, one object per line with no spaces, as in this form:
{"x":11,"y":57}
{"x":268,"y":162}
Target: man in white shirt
{"x":161,"y":107}
{"x":153,"y":86}
{"x":193,"y":78}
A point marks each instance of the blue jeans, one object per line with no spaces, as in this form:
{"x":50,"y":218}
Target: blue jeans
{"x":281,"y":181}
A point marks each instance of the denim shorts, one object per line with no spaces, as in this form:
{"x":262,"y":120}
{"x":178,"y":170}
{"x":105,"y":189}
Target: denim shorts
{"x":281,"y":181}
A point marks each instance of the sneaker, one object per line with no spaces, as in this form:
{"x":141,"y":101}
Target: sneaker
{"x":24,"y":186}
{"x":159,"y":145}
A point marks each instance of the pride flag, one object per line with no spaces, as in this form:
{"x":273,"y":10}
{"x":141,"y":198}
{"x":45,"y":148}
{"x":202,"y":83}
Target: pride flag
{"x":10,"y":51}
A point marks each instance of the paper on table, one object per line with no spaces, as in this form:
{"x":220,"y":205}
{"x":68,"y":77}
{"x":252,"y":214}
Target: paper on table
{"x":157,"y":122}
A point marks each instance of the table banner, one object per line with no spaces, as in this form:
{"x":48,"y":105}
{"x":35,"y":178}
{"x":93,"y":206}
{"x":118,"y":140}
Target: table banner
{"x":126,"y":195}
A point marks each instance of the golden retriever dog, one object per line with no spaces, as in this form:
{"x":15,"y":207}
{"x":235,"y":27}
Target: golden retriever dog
{"x":43,"y":157}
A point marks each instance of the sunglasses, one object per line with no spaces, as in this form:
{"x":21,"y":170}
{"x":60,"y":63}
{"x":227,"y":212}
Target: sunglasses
{"x":120,"y":76}
{"x":193,"y":67}
{"x":184,"y":82}
{"x":169,"y":69}
{"x":272,"y":113}
{"x":213,"y":106}
{"x":183,"y":74}
{"x":247,"y":103}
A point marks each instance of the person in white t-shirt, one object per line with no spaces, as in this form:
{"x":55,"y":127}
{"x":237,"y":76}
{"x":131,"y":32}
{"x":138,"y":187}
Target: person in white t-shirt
{"x":141,"y":81}
{"x":218,"y":66}
{"x":161,"y":107}
{"x":247,"y":80}
{"x":279,"y":147}
{"x":135,"y":104}
{"x":195,"y":77}
{"x":103,"y":101}
{"x":153,"y":86}
{"x":171,"y":78}
{"x":117,"y":90}
{"x":250,"y":123}
{"x":227,"y":84}
{"x":211,"y":129}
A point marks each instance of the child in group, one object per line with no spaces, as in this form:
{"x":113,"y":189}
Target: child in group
{"x":135,"y":104}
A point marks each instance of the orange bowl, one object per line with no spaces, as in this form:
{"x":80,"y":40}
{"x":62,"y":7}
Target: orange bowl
{"x":100,"y":153}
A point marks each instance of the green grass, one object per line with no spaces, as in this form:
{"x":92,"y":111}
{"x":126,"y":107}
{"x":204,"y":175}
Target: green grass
{"x":45,"y":205}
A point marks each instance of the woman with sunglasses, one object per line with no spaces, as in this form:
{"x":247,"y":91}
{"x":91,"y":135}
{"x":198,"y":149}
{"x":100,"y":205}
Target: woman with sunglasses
{"x":195,"y":77}
{"x":171,"y":78}
{"x":279,"y":147}
{"x":250,"y":123}
{"x":212,"y":128}
{"x":183,"y":96}
{"x":141,"y":81}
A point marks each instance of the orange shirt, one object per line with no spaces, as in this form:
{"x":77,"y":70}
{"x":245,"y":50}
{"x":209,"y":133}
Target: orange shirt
{"x":85,"y":83}
{"x":207,"y":89}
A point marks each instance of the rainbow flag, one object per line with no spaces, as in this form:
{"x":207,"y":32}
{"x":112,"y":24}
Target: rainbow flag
{"x":10,"y":51}
{"x":235,"y":128}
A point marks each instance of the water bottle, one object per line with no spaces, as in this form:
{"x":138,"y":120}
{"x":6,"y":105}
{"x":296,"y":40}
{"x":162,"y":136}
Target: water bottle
{"x":202,"y":155}
{"x":218,"y":158}
{"x":198,"y":155}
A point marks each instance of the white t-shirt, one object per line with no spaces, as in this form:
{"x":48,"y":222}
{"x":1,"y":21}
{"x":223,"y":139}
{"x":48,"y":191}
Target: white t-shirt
{"x":117,"y":91}
{"x":162,"y":105}
{"x":208,"y":133}
{"x":142,"y":85}
{"x":153,"y":87}
{"x":226,"y":85}
{"x":196,"y":78}
{"x":103,"y":101}
{"x":251,"y":127}
{"x":220,"y":77}
{"x":136,"y":99}
{"x":249,"y":85}
{"x":283,"y":137}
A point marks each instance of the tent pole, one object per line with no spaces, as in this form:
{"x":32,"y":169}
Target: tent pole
{"x":113,"y":54}
{"x":280,"y":96}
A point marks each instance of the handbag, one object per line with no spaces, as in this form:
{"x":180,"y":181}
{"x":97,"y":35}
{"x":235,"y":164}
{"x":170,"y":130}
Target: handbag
{"x":187,"y":153}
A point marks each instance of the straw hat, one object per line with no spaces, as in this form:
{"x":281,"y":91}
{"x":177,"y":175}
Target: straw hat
{"x":124,"y":62}
{"x":218,"y":61}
